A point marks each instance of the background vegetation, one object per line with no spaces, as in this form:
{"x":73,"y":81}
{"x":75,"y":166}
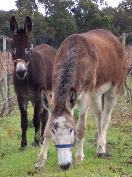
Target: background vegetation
{"x":60,"y":18}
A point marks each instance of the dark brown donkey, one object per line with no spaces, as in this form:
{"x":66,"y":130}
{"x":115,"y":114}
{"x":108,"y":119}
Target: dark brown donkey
{"x":32,"y":70}
{"x":87,"y":68}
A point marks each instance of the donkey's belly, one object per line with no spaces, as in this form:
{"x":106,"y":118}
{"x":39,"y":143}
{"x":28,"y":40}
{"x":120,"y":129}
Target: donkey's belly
{"x":102,"y":89}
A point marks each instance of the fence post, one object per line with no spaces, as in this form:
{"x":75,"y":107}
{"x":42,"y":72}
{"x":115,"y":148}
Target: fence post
{"x":5,"y":75}
{"x":124,"y":39}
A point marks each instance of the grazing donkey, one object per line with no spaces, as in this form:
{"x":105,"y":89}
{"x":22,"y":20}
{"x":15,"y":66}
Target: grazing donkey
{"x":89,"y":70}
{"x":32,"y":70}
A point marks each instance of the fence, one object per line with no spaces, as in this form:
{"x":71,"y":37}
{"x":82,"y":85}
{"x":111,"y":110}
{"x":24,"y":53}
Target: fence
{"x":7,"y":100}
{"x":128,"y":81}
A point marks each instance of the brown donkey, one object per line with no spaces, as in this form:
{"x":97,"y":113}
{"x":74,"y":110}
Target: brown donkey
{"x":89,"y":70}
{"x":32,"y":70}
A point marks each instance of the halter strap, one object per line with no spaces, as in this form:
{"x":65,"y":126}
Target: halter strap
{"x":64,"y":146}
{"x":21,"y":60}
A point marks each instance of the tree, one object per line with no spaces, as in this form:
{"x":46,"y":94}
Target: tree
{"x":88,"y":16}
{"x":4,"y":26}
{"x":126,"y":5}
{"x":58,"y":17}
{"x":41,"y":32}
{"x":29,"y":5}
{"x":101,"y":20}
{"x":123,"y":17}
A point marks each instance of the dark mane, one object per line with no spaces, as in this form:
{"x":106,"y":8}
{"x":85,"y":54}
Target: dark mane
{"x":66,"y":76}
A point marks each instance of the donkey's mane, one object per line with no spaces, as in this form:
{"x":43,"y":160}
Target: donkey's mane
{"x":66,"y":76}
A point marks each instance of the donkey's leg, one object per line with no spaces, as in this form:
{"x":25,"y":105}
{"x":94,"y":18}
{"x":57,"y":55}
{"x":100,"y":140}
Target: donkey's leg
{"x":43,"y":153}
{"x":109,"y":102}
{"x":83,"y":105}
{"x":36,"y":122}
{"x":44,"y":117}
{"x":24,"y":120}
{"x":96,"y":108}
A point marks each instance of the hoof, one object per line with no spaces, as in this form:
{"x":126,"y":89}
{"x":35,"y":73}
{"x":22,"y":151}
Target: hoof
{"x":22,"y":148}
{"x":37,"y":166}
{"x":101,"y":155}
{"x":79,"y":158}
{"x":35,"y":144}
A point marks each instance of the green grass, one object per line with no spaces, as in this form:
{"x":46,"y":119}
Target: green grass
{"x":11,"y":92}
{"x":118,"y":162}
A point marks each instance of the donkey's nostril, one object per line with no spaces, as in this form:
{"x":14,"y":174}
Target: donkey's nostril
{"x":65,"y":167}
{"x":21,"y":73}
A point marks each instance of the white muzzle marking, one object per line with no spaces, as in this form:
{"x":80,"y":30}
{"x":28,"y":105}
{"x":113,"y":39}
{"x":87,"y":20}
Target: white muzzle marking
{"x":20,"y":70}
{"x":64,"y":156}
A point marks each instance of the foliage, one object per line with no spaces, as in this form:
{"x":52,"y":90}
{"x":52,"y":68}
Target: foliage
{"x":41,"y":32}
{"x":62,"y":18}
{"x":29,"y":5}
{"x":58,"y":17}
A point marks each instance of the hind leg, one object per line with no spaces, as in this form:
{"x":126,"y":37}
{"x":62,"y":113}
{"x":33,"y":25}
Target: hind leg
{"x":96,"y":108}
{"x":36,"y":122}
{"x":103,"y":117}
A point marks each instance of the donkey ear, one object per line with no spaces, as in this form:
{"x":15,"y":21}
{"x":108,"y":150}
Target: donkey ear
{"x":46,"y":100}
{"x":13,"y":25}
{"x":72,"y":99}
{"x":28,"y":25}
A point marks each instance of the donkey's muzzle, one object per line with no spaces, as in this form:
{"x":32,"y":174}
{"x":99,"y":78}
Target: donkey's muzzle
{"x":65,"y":167}
{"x":21,"y":68}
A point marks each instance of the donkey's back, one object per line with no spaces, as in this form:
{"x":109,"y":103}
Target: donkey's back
{"x":47,"y":53}
{"x":108,"y":54}
{"x":98,"y":58}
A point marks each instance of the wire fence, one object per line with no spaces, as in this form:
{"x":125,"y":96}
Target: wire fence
{"x":8,"y":104}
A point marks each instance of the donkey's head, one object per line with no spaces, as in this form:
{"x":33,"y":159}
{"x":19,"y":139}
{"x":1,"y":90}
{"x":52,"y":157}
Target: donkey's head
{"x":21,"y":46}
{"x":61,"y":126}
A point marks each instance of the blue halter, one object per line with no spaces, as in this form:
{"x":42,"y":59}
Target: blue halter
{"x":64,"y":146}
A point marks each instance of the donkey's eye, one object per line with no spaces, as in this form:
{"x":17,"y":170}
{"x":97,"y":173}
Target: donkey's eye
{"x":14,"y":50}
{"x":27,"y":50}
{"x":53,"y":131}
{"x":71,"y":130}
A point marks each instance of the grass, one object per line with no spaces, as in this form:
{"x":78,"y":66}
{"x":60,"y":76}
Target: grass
{"x":118,"y":162}
{"x":11,"y":88}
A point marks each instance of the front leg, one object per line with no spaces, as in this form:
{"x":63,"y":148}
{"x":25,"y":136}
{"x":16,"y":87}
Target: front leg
{"x":83,"y":105}
{"x":79,"y":154}
{"x":24,"y":121}
{"x":43,"y":153}
{"x":43,"y":117}
{"x":36,"y":122}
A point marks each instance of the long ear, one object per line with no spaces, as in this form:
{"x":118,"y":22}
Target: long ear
{"x":72,"y":99}
{"x":28,"y":25}
{"x":13,"y":25}
{"x":46,"y":100}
